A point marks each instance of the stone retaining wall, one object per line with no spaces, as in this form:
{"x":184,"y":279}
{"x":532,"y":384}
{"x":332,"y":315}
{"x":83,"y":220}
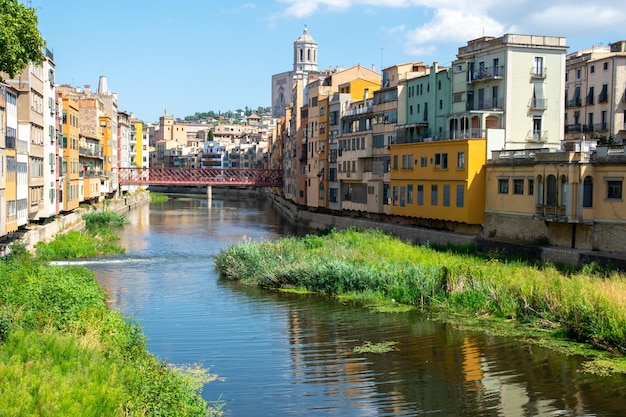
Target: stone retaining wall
{"x":419,"y":235}
{"x":73,"y":221}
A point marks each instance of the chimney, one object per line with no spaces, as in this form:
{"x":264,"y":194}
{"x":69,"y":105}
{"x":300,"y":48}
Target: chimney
{"x":103,"y":89}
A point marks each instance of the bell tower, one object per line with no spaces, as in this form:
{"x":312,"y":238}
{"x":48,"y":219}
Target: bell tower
{"x":305,"y":53}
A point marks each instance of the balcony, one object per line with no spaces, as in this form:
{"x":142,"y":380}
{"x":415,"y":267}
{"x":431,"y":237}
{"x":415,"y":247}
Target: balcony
{"x":486,"y":74}
{"x":493,"y":103}
{"x":360,"y":110}
{"x":97,"y":153}
{"x":587,"y":128}
{"x":538,"y":72}
{"x":575,"y":128}
{"x":537,"y":136}
{"x":538,"y":104}
{"x":462,"y":134}
{"x":601,"y":127}
{"x":551,"y":213}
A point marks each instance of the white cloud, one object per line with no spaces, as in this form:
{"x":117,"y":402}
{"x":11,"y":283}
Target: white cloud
{"x":457,"y":21}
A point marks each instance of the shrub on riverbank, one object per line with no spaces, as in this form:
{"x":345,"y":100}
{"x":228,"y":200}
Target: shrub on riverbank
{"x":588,"y":307}
{"x":63,"y":353}
{"x":158,"y":198}
{"x":100,"y":238}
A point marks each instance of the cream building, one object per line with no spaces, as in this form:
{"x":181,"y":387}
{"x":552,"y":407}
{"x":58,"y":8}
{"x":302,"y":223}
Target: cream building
{"x":509,"y":90}
{"x":595,"y":89}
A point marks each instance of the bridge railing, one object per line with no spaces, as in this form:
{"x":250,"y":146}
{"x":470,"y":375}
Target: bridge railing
{"x":201,"y":176}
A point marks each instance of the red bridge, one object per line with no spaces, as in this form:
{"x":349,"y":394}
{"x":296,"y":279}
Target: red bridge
{"x":201,"y":176}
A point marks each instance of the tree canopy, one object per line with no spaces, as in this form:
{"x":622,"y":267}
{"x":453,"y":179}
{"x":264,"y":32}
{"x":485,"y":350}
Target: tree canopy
{"x":20,"y":40}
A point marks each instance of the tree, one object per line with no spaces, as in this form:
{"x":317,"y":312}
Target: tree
{"x":20,"y":40}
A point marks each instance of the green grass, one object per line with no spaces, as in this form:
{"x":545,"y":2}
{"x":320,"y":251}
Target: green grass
{"x":158,"y":198}
{"x":100,"y":238}
{"x":586,"y":306}
{"x":63,"y":353}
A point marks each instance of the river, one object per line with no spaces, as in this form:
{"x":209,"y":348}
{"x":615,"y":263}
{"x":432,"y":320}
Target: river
{"x":293,"y":355}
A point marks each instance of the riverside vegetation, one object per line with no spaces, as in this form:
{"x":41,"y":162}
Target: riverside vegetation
{"x":64,"y":353}
{"x":587,"y":305}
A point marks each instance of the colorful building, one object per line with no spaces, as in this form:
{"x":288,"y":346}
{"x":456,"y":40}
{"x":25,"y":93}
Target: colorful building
{"x":595,"y":93}
{"x":439,"y":180}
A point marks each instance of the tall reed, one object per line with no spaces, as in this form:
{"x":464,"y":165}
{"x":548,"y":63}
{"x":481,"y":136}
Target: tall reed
{"x":589,"y":307}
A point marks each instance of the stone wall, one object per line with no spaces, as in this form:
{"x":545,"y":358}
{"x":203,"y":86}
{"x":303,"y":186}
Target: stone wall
{"x":73,"y":221}
{"x":415,"y":235}
{"x":531,"y":243}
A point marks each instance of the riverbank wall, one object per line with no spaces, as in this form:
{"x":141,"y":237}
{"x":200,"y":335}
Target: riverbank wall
{"x":64,"y":223}
{"x":421,"y":236}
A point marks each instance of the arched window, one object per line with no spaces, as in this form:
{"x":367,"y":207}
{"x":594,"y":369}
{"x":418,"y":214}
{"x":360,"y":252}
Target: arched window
{"x":540,"y":190}
{"x":588,"y":192}
{"x":308,"y":55}
{"x":563,"y":191}
{"x":551,"y":192}
{"x":301,"y":54}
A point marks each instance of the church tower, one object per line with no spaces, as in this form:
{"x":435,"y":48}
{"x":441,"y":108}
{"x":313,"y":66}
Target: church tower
{"x":305,"y":53}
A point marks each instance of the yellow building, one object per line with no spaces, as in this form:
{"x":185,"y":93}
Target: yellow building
{"x":572,"y":198}
{"x":105,"y":134}
{"x":441,"y":180}
{"x":360,"y":83}
{"x":8,"y":153}
{"x":70,"y":188}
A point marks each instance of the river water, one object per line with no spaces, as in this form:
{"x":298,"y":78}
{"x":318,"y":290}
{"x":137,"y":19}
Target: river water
{"x":293,"y":355}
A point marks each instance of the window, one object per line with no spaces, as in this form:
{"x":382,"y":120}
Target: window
{"x":614,"y":189}
{"x":592,"y":69}
{"x":395,"y":162}
{"x":460,"y":195}
{"x":441,"y":161}
{"x":457,"y":97}
{"x":407,"y":161}
{"x":604,"y":96}
{"x":531,"y":187}
{"x":605,"y":66}
{"x":551,"y":191}
{"x":423,"y":162}
{"x":402,"y":196}
{"x":538,"y":66}
{"x":395,"y":196}
{"x":420,"y":195}
{"x":446,"y":195}
{"x":434,"y":197}
{"x":503,"y":186}
{"x":590,"y":96}
{"x":460,"y":160}
{"x":588,"y":192}
{"x":409,"y":194}
{"x":518,"y":186}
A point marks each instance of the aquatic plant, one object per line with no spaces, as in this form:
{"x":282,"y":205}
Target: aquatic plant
{"x":588,"y":307}
{"x":380,"y":347}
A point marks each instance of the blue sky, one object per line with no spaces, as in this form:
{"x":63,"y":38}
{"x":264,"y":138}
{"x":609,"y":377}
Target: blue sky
{"x":190,"y":56}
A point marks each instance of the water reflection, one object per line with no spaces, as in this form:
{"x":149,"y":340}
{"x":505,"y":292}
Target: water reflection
{"x":284,"y":354}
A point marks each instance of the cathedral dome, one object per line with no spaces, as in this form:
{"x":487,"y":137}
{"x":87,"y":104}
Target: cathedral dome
{"x":305,"y":37}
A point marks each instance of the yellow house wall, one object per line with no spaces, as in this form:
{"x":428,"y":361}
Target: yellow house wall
{"x":605,"y":209}
{"x":139,"y":144}
{"x":472,"y":177}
